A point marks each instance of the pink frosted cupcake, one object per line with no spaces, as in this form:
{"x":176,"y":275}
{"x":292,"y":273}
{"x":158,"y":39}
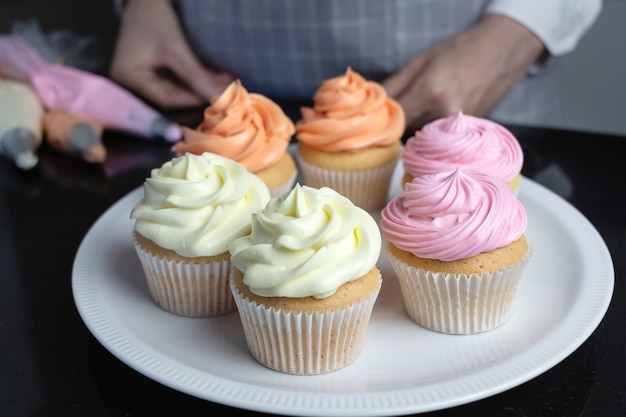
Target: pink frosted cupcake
{"x":464,"y":141}
{"x":193,"y":207}
{"x":456,"y":243}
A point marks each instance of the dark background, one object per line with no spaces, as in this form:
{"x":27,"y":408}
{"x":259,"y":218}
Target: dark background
{"x":95,"y":19}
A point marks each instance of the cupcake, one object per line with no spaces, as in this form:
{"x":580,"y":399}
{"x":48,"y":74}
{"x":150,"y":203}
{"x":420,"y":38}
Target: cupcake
{"x":305,"y":281}
{"x":250,"y":129}
{"x":193,"y":207}
{"x":350,"y":139}
{"x":466,"y":141}
{"x":456,"y":243}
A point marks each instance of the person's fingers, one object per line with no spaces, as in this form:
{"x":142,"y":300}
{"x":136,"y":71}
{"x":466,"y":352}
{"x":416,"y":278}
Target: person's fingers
{"x":165,"y":88}
{"x":204,"y":82}
{"x":153,"y":59}
{"x":396,"y":84}
{"x":168,"y":94}
{"x":414,"y":110}
{"x":430,"y":97}
{"x":423,"y":89}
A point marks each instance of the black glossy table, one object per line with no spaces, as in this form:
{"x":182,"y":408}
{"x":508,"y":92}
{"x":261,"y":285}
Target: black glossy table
{"x":51,"y":365}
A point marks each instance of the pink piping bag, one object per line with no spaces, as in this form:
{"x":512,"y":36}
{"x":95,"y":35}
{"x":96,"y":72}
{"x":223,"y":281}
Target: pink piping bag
{"x":83,"y":93}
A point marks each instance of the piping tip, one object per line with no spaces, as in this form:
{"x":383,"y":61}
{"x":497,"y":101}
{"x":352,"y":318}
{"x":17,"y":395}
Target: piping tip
{"x":165,"y":129}
{"x":86,"y":142}
{"x":19,"y":144}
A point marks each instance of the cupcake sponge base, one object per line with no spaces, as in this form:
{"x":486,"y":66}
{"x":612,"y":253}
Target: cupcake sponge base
{"x":300,"y":342}
{"x":363,"y":176}
{"x":281,"y":176}
{"x":185,"y":286}
{"x":458,"y":303}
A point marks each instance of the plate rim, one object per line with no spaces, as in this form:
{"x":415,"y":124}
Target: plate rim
{"x":155,"y":365}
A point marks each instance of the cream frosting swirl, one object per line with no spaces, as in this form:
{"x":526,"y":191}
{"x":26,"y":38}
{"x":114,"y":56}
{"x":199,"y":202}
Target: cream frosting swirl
{"x":308,"y":242}
{"x":453,"y":215}
{"x":196,"y":205}
{"x":463,"y":140}
{"x":350,"y":113}
{"x":246,"y":127}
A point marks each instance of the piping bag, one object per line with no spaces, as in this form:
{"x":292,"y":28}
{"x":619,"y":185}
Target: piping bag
{"x":83,"y":93}
{"x":21,"y":115}
{"x":74,"y":135}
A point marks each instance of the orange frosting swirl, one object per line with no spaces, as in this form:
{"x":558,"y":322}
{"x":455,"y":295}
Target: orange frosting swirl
{"x":349,"y":114}
{"x":246,"y":127}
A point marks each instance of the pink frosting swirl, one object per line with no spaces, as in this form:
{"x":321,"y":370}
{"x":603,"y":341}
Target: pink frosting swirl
{"x":453,"y":215}
{"x":463,"y":140}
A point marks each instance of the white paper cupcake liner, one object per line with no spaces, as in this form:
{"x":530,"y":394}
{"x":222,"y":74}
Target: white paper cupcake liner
{"x":304,"y":343}
{"x":281,"y":189}
{"x":188,"y":289}
{"x":458,"y":304}
{"x":367,"y":189}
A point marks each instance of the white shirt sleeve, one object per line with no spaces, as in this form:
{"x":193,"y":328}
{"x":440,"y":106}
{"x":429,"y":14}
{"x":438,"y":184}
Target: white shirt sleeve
{"x":558,"y":23}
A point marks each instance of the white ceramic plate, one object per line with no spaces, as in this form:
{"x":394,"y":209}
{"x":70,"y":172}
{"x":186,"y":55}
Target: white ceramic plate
{"x":402,"y":368}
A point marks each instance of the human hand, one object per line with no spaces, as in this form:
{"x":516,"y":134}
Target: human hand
{"x":153,"y":58}
{"x":471,"y":71}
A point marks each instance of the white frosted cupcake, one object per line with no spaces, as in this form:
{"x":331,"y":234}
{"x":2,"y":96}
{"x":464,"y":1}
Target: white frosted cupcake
{"x":193,"y":207}
{"x":456,"y":243}
{"x":305,"y":281}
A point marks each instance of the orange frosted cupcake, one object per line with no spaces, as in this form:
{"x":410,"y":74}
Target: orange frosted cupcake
{"x":250,"y":129}
{"x":350,"y":140}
